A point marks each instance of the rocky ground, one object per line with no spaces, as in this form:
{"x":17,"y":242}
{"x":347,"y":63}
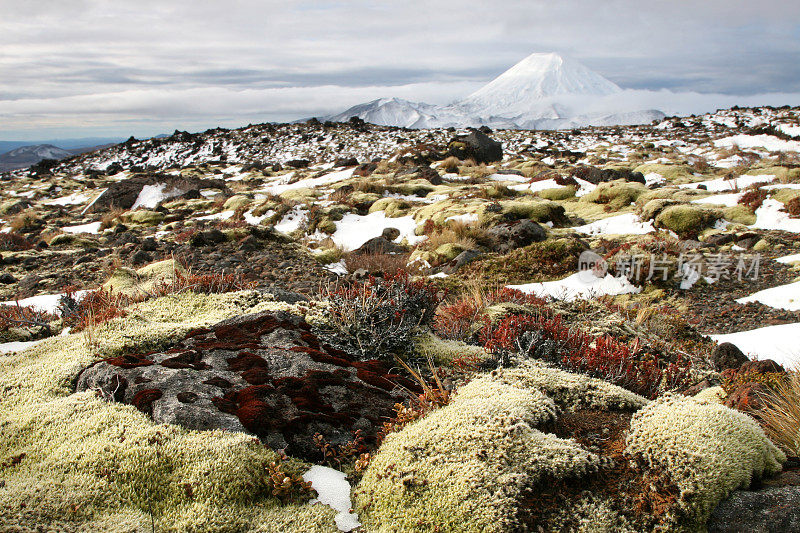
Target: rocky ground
{"x":238,"y":272}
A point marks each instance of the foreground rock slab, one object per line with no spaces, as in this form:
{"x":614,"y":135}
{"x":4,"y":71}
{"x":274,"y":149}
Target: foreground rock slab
{"x":265,"y":374}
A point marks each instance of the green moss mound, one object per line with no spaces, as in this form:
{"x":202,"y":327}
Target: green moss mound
{"x":686,"y":219}
{"x":615,"y":194}
{"x":466,"y":466}
{"x":673,"y":173}
{"x":79,"y":463}
{"x":140,"y":282}
{"x":708,"y":449}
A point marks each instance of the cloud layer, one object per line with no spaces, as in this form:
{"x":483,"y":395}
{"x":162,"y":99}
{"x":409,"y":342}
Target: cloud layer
{"x":93,"y":66}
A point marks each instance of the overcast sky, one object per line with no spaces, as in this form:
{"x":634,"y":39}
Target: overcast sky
{"x":74,"y":68}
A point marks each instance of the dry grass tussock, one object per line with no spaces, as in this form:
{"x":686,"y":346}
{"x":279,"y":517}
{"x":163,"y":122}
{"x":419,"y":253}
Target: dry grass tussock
{"x":781,"y":414}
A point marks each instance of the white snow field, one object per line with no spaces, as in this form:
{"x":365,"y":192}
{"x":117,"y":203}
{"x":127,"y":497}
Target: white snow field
{"x":778,"y":343}
{"x":91,"y":227}
{"x":579,"y":286}
{"x":354,"y":230}
{"x":150,"y":195}
{"x":781,"y":297}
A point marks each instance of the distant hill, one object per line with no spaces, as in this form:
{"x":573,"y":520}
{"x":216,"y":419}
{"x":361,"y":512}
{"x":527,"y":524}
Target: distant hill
{"x":25,"y":156}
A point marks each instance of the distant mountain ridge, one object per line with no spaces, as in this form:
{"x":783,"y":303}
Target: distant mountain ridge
{"x":25,"y":156}
{"x":543,"y":91}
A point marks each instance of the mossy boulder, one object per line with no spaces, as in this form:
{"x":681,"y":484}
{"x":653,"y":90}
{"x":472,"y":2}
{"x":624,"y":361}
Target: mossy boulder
{"x":739,"y":214}
{"x":136,"y":283}
{"x":467,"y":466}
{"x":673,"y":173}
{"x":651,"y":209}
{"x":615,"y":194}
{"x":686,"y":220}
{"x":449,"y":251}
{"x":91,"y":465}
{"x":540,"y":211}
{"x":144,"y":217}
{"x":236,"y":202}
{"x":708,"y":449}
{"x":393,"y":207}
{"x":558,"y":193}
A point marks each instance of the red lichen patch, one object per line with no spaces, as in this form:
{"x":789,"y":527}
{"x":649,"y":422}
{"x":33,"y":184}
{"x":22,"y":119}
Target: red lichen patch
{"x":143,"y":400}
{"x":246,"y":361}
{"x":256,"y":376}
{"x":129,"y":361}
{"x":218,"y":382}
{"x":322,"y":357}
{"x":187,"y":359}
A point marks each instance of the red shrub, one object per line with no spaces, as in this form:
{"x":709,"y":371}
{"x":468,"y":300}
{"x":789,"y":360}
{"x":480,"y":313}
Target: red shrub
{"x":793,"y":207}
{"x":604,"y":357}
{"x":14,"y":242}
{"x":457,"y":320}
{"x":23,"y":316}
{"x":753,"y":198}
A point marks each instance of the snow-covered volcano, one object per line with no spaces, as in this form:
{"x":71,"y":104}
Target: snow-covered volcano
{"x":543,"y":91}
{"x":536,"y":78}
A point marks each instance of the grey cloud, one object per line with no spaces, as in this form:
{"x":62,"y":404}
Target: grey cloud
{"x":57,"y":49}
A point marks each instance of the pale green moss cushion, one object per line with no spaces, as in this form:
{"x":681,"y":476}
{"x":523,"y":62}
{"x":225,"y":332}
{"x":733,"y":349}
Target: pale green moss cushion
{"x":464,"y":467}
{"x":708,"y":449}
{"x":92,"y":465}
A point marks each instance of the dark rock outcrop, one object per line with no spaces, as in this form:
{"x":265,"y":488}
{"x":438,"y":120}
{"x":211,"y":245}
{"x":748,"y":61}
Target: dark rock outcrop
{"x":476,"y":145}
{"x":599,"y":175}
{"x":727,"y":355}
{"x":265,"y":373}
{"x":770,"y":510}
{"x":123,"y":194}
{"x":511,"y":235}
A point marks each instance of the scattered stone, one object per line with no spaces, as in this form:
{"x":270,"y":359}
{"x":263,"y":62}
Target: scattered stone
{"x":511,"y":235}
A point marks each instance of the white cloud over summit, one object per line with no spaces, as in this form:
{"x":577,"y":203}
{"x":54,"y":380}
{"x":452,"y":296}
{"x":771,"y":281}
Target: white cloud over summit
{"x":145,"y":67}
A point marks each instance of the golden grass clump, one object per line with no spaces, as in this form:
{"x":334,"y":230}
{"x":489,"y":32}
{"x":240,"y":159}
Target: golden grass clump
{"x":780,"y":415}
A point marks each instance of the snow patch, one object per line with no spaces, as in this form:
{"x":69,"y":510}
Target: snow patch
{"x":91,"y":227}
{"x":778,"y":343}
{"x":627,"y":224}
{"x":581,"y":285}
{"x":151,"y":195}
{"x":333,"y":490}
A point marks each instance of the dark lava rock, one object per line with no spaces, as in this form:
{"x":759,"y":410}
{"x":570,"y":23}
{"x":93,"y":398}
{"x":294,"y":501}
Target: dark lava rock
{"x":599,"y":175}
{"x":346,"y":162}
{"x":6,"y":278}
{"x":477,"y":146}
{"x":265,"y":374}
{"x":770,"y":510}
{"x":208,"y":237}
{"x":298,"y":163}
{"x":379,"y":245}
{"x":727,"y":355}
{"x":511,"y":235}
{"x":390,"y":233}
{"x":720,"y":239}
{"x":123,"y":194}
{"x":464,"y":258}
